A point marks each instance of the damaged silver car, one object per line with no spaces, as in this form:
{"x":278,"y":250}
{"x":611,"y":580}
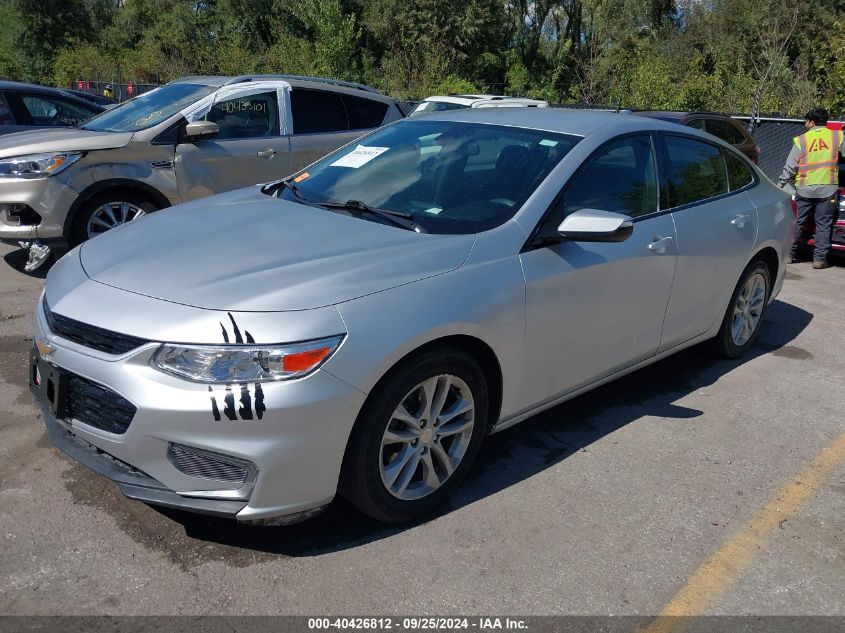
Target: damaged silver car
{"x":360,"y":327}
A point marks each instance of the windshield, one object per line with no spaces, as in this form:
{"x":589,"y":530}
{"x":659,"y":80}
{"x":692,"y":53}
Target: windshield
{"x":450,"y":177}
{"x":148,"y":109}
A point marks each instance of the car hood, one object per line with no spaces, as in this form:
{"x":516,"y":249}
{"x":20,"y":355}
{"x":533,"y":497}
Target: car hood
{"x":246,"y":251}
{"x":59,"y":140}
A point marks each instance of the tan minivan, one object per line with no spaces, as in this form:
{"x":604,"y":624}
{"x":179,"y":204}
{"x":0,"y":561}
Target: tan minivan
{"x":191,"y":138}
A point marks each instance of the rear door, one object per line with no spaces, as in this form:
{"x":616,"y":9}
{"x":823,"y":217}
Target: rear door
{"x":716,"y":223}
{"x":323,"y":120}
{"x":250,"y":148}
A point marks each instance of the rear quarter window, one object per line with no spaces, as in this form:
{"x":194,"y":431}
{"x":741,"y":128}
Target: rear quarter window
{"x":739,"y":172}
{"x":726,"y":131}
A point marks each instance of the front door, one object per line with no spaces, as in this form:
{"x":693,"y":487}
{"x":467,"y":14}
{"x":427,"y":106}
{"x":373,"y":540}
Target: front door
{"x":249,"y":149}
{"x":595,"y":308}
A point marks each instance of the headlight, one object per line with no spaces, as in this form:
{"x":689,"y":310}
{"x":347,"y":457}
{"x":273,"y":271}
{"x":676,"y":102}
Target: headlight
{"x":244,"y":363}
{"x":37,"y":165}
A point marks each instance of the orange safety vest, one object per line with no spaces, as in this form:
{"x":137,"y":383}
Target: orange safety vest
{"x":819,"y":161}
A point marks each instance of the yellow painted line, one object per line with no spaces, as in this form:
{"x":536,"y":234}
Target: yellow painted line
{"x":729,"y":562}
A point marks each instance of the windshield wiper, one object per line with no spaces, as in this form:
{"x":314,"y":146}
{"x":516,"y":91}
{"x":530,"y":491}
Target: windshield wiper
{"x":287,"y":184}
{"x":397,"y":218}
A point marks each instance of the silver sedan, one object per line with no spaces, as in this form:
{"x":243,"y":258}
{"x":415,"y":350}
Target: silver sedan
{"x":360,"y":327}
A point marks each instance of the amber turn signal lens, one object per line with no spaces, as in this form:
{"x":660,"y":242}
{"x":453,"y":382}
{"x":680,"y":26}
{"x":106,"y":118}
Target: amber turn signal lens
{"x":303,"y":361}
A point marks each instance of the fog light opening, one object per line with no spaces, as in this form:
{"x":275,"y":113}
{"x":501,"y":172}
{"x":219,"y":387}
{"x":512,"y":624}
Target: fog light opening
{"x":198,"y":463}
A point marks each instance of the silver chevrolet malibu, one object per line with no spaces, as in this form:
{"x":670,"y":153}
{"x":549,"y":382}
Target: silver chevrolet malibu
{"x":360,"y":327}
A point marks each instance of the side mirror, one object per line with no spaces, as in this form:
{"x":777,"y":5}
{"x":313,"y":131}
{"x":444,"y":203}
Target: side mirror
{"x":593,"y":225}
{"x":199,"y":130}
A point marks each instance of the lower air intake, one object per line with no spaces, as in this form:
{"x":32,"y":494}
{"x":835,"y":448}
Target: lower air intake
{"x":196,"y":462}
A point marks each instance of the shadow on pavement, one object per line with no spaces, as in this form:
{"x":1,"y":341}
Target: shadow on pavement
{"x":17,"y":258}
{"x":526,"y":449}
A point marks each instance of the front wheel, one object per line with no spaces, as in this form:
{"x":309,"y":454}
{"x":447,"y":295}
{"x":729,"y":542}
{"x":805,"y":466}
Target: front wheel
{"x":107,"y":211}
{"x":416,"y":437}
{"x":741,"y":323}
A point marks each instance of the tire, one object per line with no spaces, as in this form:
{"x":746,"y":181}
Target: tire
{"x":137,"y":205}
{"x":369,"y":465}
{"x":726,"y":343}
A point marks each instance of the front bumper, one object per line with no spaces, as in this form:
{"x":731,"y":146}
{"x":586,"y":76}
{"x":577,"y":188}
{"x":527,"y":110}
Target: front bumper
{"x":296,"y":445}
{"x":50,"y":198}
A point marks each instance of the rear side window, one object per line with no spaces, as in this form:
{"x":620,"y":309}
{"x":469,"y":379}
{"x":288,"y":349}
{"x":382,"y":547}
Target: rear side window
{"x":621,"y":177}
{"x":698,"y":124}
{"x":739,"y":173}
{"x":5,"y":112}
{"x":49,"y":110}
{"x":696,"y":171}
{"x":316,"y":111}
{"x":250,"y":116}
{"x":726,"y":131}
{"x":364,"y":113}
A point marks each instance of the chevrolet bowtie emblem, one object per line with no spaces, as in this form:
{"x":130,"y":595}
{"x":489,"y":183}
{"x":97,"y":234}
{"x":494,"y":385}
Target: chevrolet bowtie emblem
{"x":44,"y":348}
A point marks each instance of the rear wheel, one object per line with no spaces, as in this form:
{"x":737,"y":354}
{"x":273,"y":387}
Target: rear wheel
{"x":416,"y":437}
{"x":106,"y":211}
{"x":744,"y":315}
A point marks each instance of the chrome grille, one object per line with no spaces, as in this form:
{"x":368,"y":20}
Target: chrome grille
{"x":90,"y":335}
{"x":207,"y":465}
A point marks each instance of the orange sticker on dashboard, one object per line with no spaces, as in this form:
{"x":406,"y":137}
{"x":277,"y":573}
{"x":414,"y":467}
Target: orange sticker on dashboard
{"x":301,"y":177}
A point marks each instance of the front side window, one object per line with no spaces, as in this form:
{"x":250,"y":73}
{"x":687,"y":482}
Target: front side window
{"x":54,"y":111}
{"x":148,"y":109}
{"x":450,"y":177}
{"x":621,"y":177}
{"x":251,"y":116}
{"x":696,"y":171}
{"x":316,"y":111}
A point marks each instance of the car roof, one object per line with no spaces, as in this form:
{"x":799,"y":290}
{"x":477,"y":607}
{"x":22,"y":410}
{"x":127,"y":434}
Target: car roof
{"x":18,"y":85}
{"x":226,"y":80}
{"x":465,"y":98}
{"x":561,"y":120}
{"x":676,"y":116}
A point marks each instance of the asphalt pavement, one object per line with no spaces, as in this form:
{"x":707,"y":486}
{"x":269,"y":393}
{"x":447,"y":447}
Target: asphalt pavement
{"x":695,"y":485}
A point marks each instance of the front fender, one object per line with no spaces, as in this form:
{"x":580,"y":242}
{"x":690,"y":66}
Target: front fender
{"x":484,"y":300}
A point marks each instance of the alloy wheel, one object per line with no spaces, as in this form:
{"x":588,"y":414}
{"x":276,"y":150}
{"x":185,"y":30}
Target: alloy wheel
{"x":426,"y":437}
{"x":748,"y":309}
{"x":111,"y":215}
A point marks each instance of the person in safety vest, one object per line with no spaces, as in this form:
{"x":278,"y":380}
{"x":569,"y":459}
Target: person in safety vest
{"x":813,"y":168}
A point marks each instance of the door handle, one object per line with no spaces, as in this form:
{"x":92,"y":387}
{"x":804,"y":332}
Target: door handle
{"x":659,"y":244}
{"x":267,"y":153}
{"x":741,"y":220}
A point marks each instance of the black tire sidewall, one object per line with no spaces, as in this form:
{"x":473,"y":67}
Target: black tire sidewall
{"x":724,"y":341}
{"x":361,"y":482}
{"x":78,"y":233}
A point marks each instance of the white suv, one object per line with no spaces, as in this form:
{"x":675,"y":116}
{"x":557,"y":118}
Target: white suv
{"x":456,"y":102}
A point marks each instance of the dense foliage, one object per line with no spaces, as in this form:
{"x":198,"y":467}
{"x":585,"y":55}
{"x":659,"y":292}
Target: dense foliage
{"x":728,"y":55}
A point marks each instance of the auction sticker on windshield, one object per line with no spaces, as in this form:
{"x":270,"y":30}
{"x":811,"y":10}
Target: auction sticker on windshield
{"x":359,"y":156}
